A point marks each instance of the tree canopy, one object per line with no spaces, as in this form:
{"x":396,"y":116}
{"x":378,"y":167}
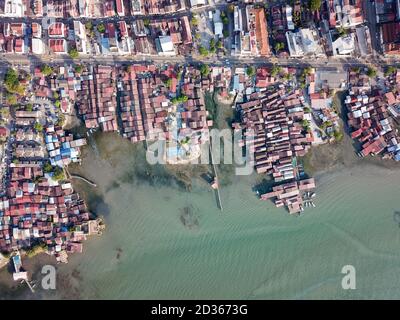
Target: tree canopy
{"x":251,"y":71}
{"x":46,"y":70}
{"x":315,"y":5}
{"x":205,"y":70}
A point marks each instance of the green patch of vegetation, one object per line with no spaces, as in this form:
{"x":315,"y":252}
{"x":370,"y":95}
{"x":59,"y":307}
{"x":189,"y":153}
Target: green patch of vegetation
{"x":36,"y":249}
{"x":58,"y":174}
{"x":61,"y":120}
{"x":203,"y":51}
{"x":46,"y":70}
{"x":12,"y":82}
{"x":213,"y":49}
{"x":315,"y":5}
{"x":168,"y":82}
{"x":390,"y":70}
{"x":251,"y":71}
{"x":179,"y":99}
{"x":89,"y":25}
{"x":371,"y":72}
{"x":57,"y":103}
{"x":338,"y":135}
{"x":11,"y":99}
{"x":101,"y":27}
{"x":279,"y":46}
{"x":78,"y":68}
{"x":224,"y":18}
{"x":73,"y":53}
{"x":38,"y":127}
{"x":204,"y":70}
{"x":194,"y":21}
{"x":146,"y":22}
{"x":275,"y":70}
{"x":47,"y":168}
{"x":342,"y":31}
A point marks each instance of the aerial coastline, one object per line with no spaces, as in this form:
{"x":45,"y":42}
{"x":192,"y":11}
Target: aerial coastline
{"x":141,"y":93}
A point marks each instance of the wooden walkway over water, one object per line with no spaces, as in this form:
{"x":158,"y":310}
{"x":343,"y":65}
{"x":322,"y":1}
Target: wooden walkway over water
{"x":217,"y":192}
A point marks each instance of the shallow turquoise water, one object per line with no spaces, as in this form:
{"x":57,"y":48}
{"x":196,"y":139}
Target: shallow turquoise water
{"x":251,"y":249}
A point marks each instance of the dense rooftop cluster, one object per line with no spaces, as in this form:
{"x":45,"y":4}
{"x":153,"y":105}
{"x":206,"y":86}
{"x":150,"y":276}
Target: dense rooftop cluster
{"x":372,"y":117}
{"x":297,"y":29}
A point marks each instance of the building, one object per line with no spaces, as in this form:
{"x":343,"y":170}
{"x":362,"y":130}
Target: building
{"x":14,"y":8}
{"x":343,"y":46}
{"x":119,"y":6}
{"x":165,"y":45}
{"x":218,"y":25}
{"x":58,"y":46}
{"x":303,"y":42}
{"x":57,"y":30}
{"x":37,"y":46}
{"x":83,"y":7}
{"x":197,"y":3}
{"x":80,"y":37}
{"x":136,"y":7}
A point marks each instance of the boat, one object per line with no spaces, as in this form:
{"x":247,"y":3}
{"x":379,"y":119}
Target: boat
{"x":313,"y":195}
{"x":313,"y":204}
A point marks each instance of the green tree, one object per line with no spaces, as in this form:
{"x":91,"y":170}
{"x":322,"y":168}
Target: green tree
{"x":29,"y":107}
{"x":11,"y":99}
{"x":46,"y":70}
{"x":338,"y":135}
{"x":203,"y":51}
{"x":89,"y":26}
{"x":315,"y":5}
{"x":56,"y":95}
{"x":275,"y":70}
{"x":204,"y":70}
{"x":12,"y":82}
{"x":57,"y":103}
{"x":342,"y":31}
{"x":146,"y":22}
{"x":78,"y":68}
{"x":38,"y":127}
{"x":168,"y":82}
{"x":279,"y":46}
{"x":58,"y":174}
{"x":194,"y":21}
{"x":371,"y":72}
{"x":47,"y":167}
{"x":179,"y":99}
{"x":73,"y":53}
{"x":390,"y":70}
{"x":251,"y":71}
{"x":101,"y":28}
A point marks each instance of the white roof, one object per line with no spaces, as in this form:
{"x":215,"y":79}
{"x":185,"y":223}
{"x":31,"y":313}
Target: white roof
{"x":218,"y":28}
{"x":37,"y":46}
{"x":166,"y":43}
{"x":194,"y":3}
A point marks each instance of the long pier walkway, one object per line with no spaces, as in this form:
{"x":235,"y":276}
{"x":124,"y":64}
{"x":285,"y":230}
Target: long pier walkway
{"x":75,"y":176}
{"x":218,"y":195}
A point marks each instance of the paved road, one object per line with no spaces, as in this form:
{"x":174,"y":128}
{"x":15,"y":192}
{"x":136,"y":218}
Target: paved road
{"x":370,"y":9}
{"x":7,"y":60}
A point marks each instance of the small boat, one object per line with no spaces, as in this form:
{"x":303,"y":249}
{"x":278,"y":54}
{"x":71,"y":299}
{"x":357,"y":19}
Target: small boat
{"x":313,"y":204}
{"x":312,"y":195}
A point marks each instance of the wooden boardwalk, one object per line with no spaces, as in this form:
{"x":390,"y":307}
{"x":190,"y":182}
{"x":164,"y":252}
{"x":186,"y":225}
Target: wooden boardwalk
{"x":217,"y":192}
